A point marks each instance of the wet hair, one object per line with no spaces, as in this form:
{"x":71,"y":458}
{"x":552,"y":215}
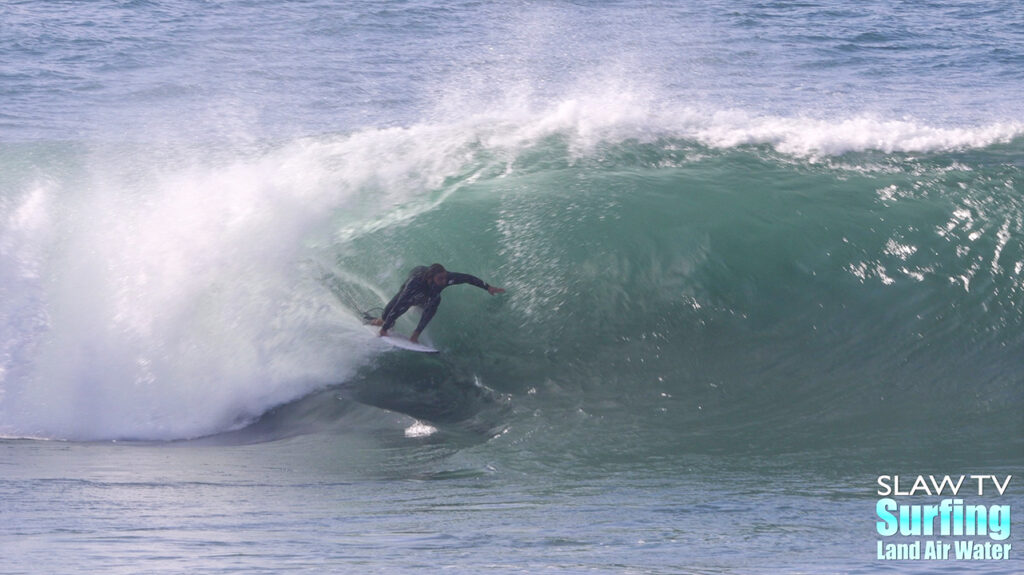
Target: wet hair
{"x":435,"y":269}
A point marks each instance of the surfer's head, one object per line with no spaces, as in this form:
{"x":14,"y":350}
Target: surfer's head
{"x":437,"y":274}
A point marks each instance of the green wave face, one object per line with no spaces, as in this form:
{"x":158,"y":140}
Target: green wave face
{"x":732,"y":297}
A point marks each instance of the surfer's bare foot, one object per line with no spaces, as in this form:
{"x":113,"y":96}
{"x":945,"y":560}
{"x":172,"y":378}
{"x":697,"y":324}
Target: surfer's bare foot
{"x":415,"y":337}
{"x":383,"y":332}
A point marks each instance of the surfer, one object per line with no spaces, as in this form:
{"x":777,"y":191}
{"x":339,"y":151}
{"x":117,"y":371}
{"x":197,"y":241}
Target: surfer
{"x":423,"y":288}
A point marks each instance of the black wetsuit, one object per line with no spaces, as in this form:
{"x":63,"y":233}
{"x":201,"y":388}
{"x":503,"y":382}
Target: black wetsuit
{"x":420,"y":291}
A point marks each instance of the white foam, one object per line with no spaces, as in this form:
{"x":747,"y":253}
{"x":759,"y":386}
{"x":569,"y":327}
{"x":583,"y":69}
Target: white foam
{"x":420,"y":429}
{"x":608,"y":110}
{"x":803,"y":136}
{"x":629,"y":115}
{"x":170,"y":298}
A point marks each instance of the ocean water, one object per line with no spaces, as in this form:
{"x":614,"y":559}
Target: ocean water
{"x":757,"y":255}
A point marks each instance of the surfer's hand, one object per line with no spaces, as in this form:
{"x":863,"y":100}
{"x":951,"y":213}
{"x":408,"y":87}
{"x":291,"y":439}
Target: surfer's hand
{"x":494,"y":290}
{"x":378,"y":321}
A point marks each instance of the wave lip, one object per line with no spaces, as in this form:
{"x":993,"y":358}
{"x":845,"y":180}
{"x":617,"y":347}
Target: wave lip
{"x":592,"y":119}
{"x":815,"y":137}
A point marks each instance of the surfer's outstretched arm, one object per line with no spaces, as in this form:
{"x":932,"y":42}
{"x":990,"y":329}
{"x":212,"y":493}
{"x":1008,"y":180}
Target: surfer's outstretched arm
{"x":455,"y":278}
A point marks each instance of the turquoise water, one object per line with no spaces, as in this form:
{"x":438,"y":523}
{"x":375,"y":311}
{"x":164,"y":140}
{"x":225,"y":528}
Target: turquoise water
{"x":756,"y":255}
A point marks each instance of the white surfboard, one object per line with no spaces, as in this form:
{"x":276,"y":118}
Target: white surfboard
{"x":402,"y":342}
